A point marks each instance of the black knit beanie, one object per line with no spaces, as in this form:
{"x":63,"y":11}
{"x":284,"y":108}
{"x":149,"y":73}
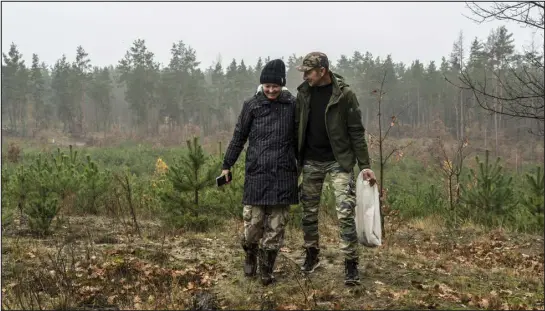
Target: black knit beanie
{"x":274,"y":72}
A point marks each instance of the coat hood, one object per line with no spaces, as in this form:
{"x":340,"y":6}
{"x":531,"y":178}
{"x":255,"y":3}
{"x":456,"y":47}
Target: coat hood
{"x":285,"y":96}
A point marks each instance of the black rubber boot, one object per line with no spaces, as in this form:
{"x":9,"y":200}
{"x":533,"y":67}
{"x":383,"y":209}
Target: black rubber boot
{"x":351,"y":272}
{"x":311,"y":260}
{"x":268,"y":258}
{"x":250,"y":262}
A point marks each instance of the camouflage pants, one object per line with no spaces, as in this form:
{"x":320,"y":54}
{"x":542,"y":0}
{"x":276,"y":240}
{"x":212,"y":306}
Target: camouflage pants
{"x":266,"y":223}
{"x":345,"y":200}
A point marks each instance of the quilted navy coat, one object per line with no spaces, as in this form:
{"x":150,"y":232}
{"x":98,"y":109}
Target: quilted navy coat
{"x":271,"y":131}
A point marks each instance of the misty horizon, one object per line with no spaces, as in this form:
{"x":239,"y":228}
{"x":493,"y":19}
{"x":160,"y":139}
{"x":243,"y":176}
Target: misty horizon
{"x":102,"y":31}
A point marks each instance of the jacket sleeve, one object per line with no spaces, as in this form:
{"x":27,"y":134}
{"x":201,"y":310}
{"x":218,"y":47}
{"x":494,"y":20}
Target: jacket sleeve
{"x":240,"y":136}
{"x":296,"y":129}
{"x":356,"y":132}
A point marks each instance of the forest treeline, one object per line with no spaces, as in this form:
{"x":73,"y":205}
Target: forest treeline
{"x":140,"y":94}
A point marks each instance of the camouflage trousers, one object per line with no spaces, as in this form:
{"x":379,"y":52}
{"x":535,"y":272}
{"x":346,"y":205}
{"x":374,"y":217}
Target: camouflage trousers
{"x":345,"y":200}
{"x":266,"y":223}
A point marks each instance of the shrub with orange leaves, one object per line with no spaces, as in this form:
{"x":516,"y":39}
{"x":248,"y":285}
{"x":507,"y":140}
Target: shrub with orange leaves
{"x":160,"y":167}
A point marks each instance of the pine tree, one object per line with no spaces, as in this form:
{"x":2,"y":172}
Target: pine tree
{"x":15,"y":89}
{"x":534,"y":200}
{"x":192,"y":174}
{"x":63,"y":94}
{"x":139,"y":72}
{"x":100,"y":92}
{"x":37,"y":90}
{"x":80,"y":78}
{"x":43,"y":198}
{"x":491,"y":192}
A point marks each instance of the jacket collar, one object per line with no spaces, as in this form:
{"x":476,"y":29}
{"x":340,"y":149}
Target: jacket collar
{"x":305,"y":87}
{"x":285,"y":96}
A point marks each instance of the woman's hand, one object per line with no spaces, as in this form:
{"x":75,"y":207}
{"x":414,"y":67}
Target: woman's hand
{"x":226,"y":174}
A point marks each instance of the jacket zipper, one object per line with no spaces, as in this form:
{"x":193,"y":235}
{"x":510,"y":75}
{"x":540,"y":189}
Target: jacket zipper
{"x":327,"y":129}
{"x":306,"y":108}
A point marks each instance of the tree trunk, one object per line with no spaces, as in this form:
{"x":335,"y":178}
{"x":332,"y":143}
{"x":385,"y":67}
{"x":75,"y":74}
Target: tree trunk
{"x":485,"y":138}
{"x":461,"y":115}
{"x":457,"y":122}
{"x":418,"y":107}
{"x":366,"y":116}
{"x":496,"y":120}
{"x":381,"y":163}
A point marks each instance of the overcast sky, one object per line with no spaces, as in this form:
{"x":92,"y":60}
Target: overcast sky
{"x":408,"y":31}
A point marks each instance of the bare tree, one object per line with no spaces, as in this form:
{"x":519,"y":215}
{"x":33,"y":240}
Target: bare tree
{"x":381,"y":142}
{"x":515,"y":89}
{"x":528,"y":13}
{"x":450,"y":160}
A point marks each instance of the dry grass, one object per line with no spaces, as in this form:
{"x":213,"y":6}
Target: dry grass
{"x":91,"y":263}
{"x":429,"y":224}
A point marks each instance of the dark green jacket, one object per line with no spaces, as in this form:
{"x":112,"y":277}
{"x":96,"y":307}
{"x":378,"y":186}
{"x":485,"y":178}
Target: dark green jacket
{"x":343,"y":124}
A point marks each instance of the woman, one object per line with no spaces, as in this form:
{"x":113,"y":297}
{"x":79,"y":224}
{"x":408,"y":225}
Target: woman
{"x":267,"y":120}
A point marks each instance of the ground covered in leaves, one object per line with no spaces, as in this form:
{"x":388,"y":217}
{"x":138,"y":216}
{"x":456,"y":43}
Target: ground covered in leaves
{"x":96,"y":263}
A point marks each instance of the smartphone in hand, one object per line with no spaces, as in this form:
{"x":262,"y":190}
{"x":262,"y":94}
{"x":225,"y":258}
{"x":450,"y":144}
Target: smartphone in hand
{"x":222,"y":180}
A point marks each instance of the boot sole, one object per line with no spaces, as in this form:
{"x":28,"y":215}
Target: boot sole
{"x":313,"y":268}
{"x":352,"y":282}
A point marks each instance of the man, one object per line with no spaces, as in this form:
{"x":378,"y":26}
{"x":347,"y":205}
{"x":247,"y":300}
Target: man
{"x":331,"y":139}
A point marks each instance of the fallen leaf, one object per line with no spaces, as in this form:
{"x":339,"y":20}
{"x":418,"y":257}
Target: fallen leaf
{"x":312,"y":295}
{"x":12,"y":285}
{"x":483,"y":303}
{"x":397,"y":295}
{"x":466,"y":298}
{"x":420,"y":285}
{"x":506,"y":292}
{"x":288,"y":307}
{"x":178,"y":272}
{"x":190,"y":285}
{"x":442,"y":288}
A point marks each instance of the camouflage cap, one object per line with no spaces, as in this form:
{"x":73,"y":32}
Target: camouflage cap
{"x":314,"y":60}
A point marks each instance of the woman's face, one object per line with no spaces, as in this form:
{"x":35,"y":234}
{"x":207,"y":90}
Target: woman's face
{"x":272,"y":91}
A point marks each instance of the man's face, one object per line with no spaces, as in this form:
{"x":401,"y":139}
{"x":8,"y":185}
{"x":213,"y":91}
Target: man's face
{"x":313,"y":76}
{"x":272,"y":91}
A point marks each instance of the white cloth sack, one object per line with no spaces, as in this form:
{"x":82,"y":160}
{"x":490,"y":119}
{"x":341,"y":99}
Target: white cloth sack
{"x":368,"y":225}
